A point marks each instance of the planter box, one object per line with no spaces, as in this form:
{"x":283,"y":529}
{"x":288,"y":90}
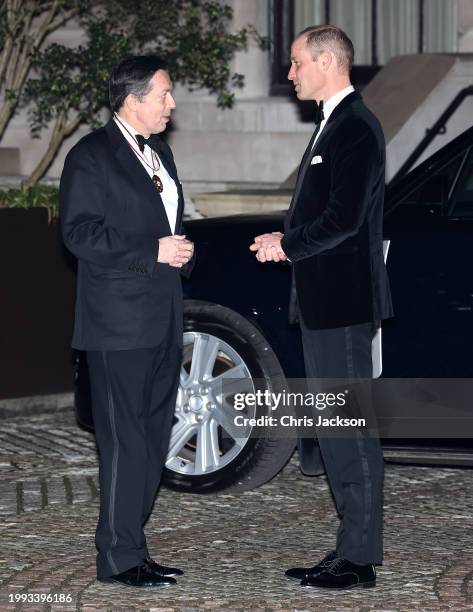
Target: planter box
{"x":37,"y":305}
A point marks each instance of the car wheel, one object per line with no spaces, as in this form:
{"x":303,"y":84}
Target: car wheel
{"x":204,"y":456}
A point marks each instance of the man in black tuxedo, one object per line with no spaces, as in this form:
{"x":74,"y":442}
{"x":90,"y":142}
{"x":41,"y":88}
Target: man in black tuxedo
{"x":121,"y":206}
{"x":333,"y":237}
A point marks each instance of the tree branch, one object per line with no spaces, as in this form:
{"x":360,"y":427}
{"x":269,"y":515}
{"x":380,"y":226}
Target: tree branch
{"x":5,"y":57}
{"x":20,"y":55}
{"x":43,"y":28}
{"x":70,"y":127}
{"x":17,"y":5}
{"x":60,"y":131}
{"x":16,"y":44}
{"x":8,"y":40}
{"x":5,"y":114}
{"x":62,"y":18}
{"x":13,"y":23}
{"x":16,"y":58}
{"x":11,"y":66}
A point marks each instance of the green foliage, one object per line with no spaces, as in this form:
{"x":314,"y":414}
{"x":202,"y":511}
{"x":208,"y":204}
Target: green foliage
{"x":73,"y":78}
{"x":41,"y":196}
{"x":24,"y":26}
{"x":192,"y":35}
{"x":70,"y":83}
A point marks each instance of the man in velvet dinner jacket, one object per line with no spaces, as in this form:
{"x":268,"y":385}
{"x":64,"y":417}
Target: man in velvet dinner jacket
{"x":333,"y":237}
{"x":121,"y":207}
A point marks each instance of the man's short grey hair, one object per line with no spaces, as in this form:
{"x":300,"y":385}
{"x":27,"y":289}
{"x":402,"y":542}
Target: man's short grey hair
{"x":330,"y":38}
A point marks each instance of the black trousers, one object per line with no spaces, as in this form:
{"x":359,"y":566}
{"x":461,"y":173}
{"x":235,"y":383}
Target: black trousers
{"x":354,"y":464}
{"x":133,"y":401}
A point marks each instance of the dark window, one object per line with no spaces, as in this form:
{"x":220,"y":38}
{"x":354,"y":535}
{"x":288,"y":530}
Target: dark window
{"x":282,"y":34}
{"x":433,"y":195}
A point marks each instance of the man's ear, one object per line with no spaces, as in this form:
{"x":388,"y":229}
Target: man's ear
{"x":326,"y":59}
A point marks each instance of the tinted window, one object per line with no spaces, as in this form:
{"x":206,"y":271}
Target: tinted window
{"x":462,"y":200}
{"x":433,"y":194}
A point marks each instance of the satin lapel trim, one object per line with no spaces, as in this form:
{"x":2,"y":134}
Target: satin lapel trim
{"x":141,"y":179}
{"x":166,"y":162}
{"x":328,"y":127}
{"x":180,"y":207}
{"x":325,"y":132}
{"x":337,"y":112}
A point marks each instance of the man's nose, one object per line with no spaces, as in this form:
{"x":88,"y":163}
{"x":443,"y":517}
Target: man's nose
{"x":291,"y":74}
{"x":171,"y":101}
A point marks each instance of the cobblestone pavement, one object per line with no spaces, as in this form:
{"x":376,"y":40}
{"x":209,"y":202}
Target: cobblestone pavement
{"x":234,"y":548}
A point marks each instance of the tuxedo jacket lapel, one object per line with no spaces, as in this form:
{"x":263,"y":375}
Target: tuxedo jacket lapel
{"x":334,"y":115}
{"x":170,"y":166}
{"x":136,"y":172}
{"x":300,"y":175}
{"x":326,"y":132}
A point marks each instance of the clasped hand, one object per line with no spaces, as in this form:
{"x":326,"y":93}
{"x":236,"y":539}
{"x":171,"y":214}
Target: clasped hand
{"x":268,"y":247}
{"x":175,"y":250}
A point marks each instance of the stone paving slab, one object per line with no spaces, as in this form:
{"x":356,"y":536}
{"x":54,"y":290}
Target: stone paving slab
{"x":234,"y":548}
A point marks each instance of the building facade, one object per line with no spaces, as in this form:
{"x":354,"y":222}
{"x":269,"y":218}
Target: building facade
{"x":259,"y":142}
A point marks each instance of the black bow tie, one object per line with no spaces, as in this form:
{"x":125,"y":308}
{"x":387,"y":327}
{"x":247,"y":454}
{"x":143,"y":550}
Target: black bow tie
{"x":319,"y":112}
{"x":141,"y":140}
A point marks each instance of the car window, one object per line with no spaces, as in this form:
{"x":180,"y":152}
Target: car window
{"x":433,"y":194}
{"x":462,"y":199}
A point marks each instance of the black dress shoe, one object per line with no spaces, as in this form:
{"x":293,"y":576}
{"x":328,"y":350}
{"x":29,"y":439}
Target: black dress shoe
{"x":140,"y":576}
{"x":343,"y":574}
{"x":301,"y":573}
{"x":162,"y":570}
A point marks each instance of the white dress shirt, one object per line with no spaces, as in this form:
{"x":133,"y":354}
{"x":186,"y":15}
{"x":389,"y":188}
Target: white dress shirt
{"x":169,"y":194}
{"x":329,"y":106}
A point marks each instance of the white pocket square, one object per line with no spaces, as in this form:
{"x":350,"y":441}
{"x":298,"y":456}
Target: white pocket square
{"x":317,"y":159}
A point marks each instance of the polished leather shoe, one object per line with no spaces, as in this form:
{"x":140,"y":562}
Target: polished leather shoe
{"x":343,"y":574}
{"x":163,"y":570}
{"x":140,"y":576}
{"x":301,"y":573}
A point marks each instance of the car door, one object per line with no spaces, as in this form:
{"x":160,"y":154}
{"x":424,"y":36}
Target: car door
{"x":431,"y":232}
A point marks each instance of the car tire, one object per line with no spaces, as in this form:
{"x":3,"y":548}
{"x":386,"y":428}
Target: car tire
{"x":230,"y":343}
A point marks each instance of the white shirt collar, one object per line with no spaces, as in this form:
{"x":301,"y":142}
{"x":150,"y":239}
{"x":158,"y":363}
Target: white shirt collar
{"x":169,"y":195}
{"x":332,"y":102}
{"x":133,"y":131}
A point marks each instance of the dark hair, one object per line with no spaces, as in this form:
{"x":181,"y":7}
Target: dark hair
{"x":330,"y":38}
{"x":132,"y":75}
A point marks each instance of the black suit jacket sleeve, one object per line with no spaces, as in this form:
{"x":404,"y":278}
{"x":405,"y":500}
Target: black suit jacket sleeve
{"x":355,"y":158}
{"x":83,"y":195}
